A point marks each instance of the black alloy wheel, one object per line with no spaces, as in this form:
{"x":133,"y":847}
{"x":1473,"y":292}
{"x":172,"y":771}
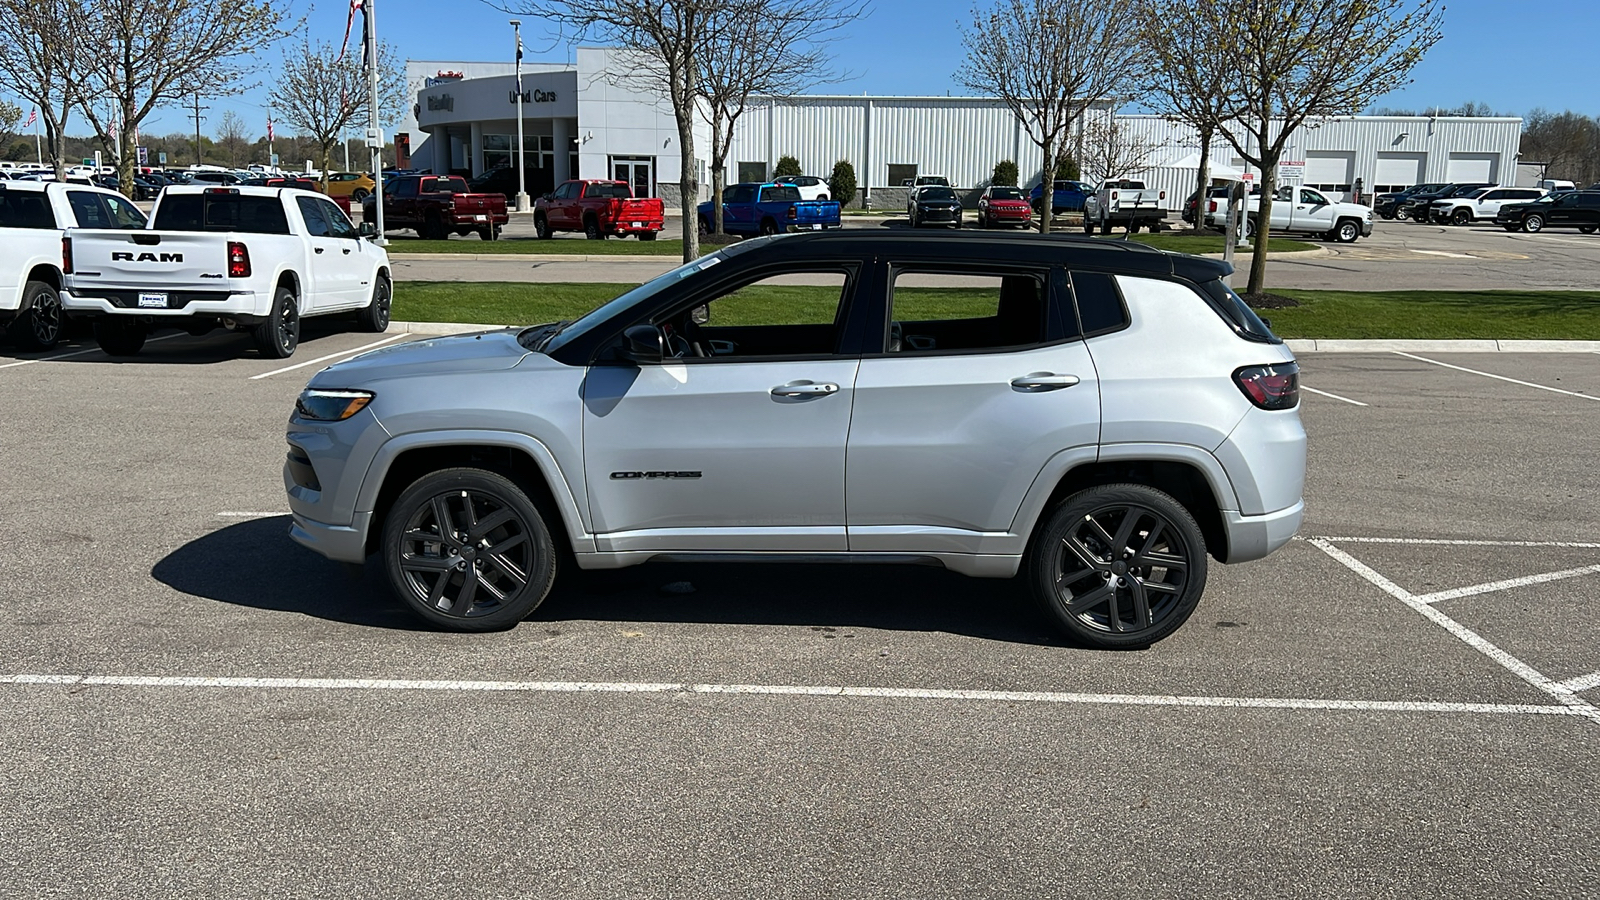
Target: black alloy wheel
{"x":541,"y":228}
{"x":467,"y":550}
{"x":39,"y":327}
{"x":375,"y":317}
{"x":591,"y":229}
{"x":1119,"y":566}
{"x":279,"y":334}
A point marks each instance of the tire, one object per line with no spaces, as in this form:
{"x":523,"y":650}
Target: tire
{"x":40,"y":325}
{"x":118,"y":336}
{"x":489,"y":233}
{"x":541,"y":228}
{"x":1088,"y":227}
{"x":1105,"y":227}
{"x":1587,"y":229}
{"x":1090,"y":584}
{"x":1346,"y":231}
{"x":374,"y":317}
{"x":647,"y":235}
{"x":436,"y":551}
{"x":1533,"y":224}
{"x":1461,"y":217}
{"x":433,"y":228}
{"x":359,"y":195}
{"x":1133,"y":227}
{"x":591,"y":229}
{"x":769,"y":227}
{"x":277,"y":337}
{"x":978,"y":222}
{"x":1511,"y":228}
{"x":1386,"y":216}
{"x":822,"y":196}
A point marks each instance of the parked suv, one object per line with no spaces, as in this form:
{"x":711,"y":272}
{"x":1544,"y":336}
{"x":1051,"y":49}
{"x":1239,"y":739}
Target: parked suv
{"x":1568,"y":209}
{"x":1483,"y":203}
{"x":1101,"y":416}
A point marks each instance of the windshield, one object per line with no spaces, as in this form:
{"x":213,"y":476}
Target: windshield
{"x":936,"y":193}
{"x":1005,"y":194}
{"x":639,"y":294}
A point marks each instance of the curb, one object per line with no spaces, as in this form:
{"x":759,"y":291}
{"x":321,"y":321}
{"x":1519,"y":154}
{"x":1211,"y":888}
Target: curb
{"x":1316,"y":345}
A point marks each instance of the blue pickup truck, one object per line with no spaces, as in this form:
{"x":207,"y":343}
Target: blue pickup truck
{"x":757,"y":208}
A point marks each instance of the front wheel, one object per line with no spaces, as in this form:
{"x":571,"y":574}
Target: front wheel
{"x":541,"y":228}
{"x":375,"y":317}
{"x":277,"y":337}
{"x":359,"y":195}
{"x":1461,"y":217}
{"x":1587,"y":229}
{"x":39,"y":326}
{"x":1119,"y":566}
{"x":467,"y":550}
{"x":1346,"y":232}
{"x":118,"y":336}
{"x":1533,"y":223}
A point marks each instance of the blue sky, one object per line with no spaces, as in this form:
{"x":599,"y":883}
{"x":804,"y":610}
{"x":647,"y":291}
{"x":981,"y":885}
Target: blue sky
{"x":914,"y":47}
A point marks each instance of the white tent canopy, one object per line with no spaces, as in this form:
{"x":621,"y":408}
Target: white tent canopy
{"x":1218,"y":169}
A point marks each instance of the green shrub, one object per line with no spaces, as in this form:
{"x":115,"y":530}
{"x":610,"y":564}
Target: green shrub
{"x":1005,"y":173}
{"x":787,"y":165}
{"x":842,"y":183}
{"x":1067,"y":168}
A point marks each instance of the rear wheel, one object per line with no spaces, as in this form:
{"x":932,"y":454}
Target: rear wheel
{"x":467,"y":550}
{"x":489,"y":233}
{"x":375,"y":317}
{"x":38,"y":327}
{"x":1533,"y":223}
{"x":591,"y":229}
{"x":769,"y":227}
{"x":119,"y":336}
{"x":433,"y":228}
{"x":647,"y":235}
{"x":359,"y":195}
{"x":277,"y":337}
{"x":1133,"y":227}
{"x":1119,"y":566}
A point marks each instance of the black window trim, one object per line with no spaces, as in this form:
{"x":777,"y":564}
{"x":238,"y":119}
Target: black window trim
{"x":1055,"y":329}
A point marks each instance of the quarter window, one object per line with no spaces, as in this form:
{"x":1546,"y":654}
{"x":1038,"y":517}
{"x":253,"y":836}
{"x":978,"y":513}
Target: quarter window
{"x":1099,"y":302}
{"x":937,"y":311}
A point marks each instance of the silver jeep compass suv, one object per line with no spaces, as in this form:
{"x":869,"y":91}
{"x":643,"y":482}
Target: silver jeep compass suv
{"x":1100,"y":417}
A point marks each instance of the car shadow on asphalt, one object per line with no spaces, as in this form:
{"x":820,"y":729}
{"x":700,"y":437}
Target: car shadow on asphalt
{"x":215,"y":346}
{"x":254,"y":564}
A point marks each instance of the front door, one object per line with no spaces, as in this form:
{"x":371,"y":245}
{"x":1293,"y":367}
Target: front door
{"x":1313,"y":212}
{"x":325,"y":286}
{"x":637,"y":171}
{"x":735,"y":441}
{"x":981,"y":380}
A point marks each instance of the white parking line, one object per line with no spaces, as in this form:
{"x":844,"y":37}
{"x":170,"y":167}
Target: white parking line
{"x":1532,"y":676}
{"x":29,"y":362}
{"x":311,"y":362}
{"x":1542,"y":387}
{"x":232,"y":514}
{"x":628,"y":687}
{"x":1452,"y":542}
{"x":1506,"y":585}
{"x":1584,"y":683}
{"x":1333,"y":396}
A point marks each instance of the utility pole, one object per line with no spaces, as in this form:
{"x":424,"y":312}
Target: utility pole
{"x":198,"y":159}
{"x":374,"y":122}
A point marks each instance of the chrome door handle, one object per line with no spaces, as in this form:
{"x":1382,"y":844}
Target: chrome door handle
{"x":805,"y":389}
{"x":1043,"y":381}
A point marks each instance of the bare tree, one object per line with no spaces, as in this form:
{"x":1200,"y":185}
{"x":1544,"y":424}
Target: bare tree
{"x":1067,"y":55}
{"x":1568,"y":143}
{"x":1292,"y":61}
{"x":773,"y":47}
{"x":667,"y":39}
{"x":232,"y":136}
{"x":1111,"y":149}
{"x":37,"y":63}
{"x":321,"y":94}
{"x":138,"y":55}
{"x":1186,"y":82}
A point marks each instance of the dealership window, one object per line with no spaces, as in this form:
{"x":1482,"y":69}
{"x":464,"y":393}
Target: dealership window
{"x":1390,"y":188}
{"x":1334,"y":188}
{"x":902,"y":174}
{"x":752,"y":171}
{"x":500,"y":150}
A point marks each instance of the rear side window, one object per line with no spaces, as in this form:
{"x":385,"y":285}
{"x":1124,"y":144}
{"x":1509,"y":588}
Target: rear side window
{"x":1238,"y":314}
{"x":25,"y":209}
{"x":741,"y":193}
{"x":1099,"y":302}
{"x":88,"y":210}
{"x":222,"y":212}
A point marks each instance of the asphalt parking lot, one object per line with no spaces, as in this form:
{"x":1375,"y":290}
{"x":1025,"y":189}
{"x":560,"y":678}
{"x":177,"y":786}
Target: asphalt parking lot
{"x":1402,"y":703}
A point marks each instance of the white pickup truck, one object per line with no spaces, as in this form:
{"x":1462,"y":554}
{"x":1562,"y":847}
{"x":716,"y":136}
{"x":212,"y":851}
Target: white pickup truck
{"x":1302,"y":210}
{"x":1126,"y":202}
{"x":244,"y":258}
{"x":33,"y":217}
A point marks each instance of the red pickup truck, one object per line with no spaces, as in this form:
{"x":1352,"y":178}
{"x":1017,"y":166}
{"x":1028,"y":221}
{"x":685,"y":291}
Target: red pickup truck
{"x":436,"y":205}
{"x":599,"y":209}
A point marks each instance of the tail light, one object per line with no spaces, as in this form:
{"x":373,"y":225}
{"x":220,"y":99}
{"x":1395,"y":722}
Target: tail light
{"x":792,"y":213}
{"x":66,"y":256}
{"x":1162,"y":195}
{"x":238,"y":260}
{"x":1270,"y":387}
{"x":1113,"y":195}
{"x":1212,"y":206}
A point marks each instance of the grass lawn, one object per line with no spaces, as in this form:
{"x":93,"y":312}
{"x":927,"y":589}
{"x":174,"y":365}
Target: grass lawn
{"x":576,"y":246}
{"x":1439,"y":315}
{"x":1433,"y":315}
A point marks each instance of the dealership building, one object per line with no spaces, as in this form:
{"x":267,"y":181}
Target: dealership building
{"x":595,"y":118}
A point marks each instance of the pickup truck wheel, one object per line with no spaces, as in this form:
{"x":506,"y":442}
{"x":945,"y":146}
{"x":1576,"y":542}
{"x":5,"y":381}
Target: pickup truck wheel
{"x":118,"y":336}
{"x":39,"y":327}
{"x":541,"y":228}
{"x":277,"y":337}
{"x":433,"y":228}
{"x":375,"y":317}
{"x":705,"y":226}
{"x":1587,"y":229}
{"x":647,"y":235}
{"x":1510,"y":227}
{"x":1105,"y":227}
{"x":1133,"y":227}
{"x":489,"y":233}
{"x":468,"y":551}
{"x":1533,"y":223}
{"x":1088,"y":227}
{"x":1119,"y":566}
{"x":769,"y":227}
{"x":1346,"y":231}
{"x":591,"y":229}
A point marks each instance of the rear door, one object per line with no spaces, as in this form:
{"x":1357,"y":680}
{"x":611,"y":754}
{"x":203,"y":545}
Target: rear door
{"x":980,"y":378}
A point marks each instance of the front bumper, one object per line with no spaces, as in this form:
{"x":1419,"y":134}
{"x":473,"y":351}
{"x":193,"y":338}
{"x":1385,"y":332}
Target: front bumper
{"x":124,"y":302}
{"x":340,"y":543}
{"x":1366,"y":228}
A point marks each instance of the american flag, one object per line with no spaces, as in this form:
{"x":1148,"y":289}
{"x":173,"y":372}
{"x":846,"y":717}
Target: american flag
{"x":269,"y":128}
{"x":355,"y":7}
{"x":33,"y":116}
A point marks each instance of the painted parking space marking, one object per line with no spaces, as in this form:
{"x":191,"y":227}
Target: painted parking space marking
{"x":1583,"y":683}
{"x":932,"y":694}
{"x":1559,"y":691}
{"x":29,"y":362}
{"x":1542,"y":387}
{"x":1333,"y":396}
{"x":1507,"y":584}
{"x":236,"y":514}
{"x":1459,"y":542}
{"x":311,"y":362}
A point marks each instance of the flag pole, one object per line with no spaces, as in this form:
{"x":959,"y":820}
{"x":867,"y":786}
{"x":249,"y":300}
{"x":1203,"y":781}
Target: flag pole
{"x":374,"y":125}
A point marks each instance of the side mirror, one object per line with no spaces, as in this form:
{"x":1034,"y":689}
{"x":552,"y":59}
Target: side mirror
{"x":643,"y":344}
{"x":367,"y":229}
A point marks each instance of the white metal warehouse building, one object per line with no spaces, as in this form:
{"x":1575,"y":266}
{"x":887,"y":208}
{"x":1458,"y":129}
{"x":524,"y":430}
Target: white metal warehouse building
{"x":612,"y":126}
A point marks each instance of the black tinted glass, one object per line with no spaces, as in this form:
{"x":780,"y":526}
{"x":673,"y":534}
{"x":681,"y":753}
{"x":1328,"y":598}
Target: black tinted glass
{"x":936,"y":193}
{"x":609,"y":192}
{"x":222,"y":212}
{"x":1233,"y":308}
{"x":1099,"y":302}
{"x":25,"y":209}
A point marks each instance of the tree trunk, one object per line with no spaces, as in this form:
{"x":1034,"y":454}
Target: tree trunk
{"x":719,"y":175}
{"x":688,"y":185}
{"x":1258,"y":243}
{"x":56,"y":139}
{"x":1203,"y":182}
{"x":127,"y":155}
{"x":1047,"y":186}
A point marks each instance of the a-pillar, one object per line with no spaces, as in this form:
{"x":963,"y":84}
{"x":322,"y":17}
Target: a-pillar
{"x":561,"y":140}
{"x":477,"y":149}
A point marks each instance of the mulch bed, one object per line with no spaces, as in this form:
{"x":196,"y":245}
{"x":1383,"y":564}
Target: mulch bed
{"x":1268,"y":301}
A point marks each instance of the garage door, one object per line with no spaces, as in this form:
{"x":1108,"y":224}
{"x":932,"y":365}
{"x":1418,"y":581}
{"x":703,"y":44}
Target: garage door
{"x":1474,"y":167}
{"x":1398,"y":171}
{"x":1330,"y":172}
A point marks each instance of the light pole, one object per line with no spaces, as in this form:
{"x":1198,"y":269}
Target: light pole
{"x":522,"y":182}
{"x":374,"y":123}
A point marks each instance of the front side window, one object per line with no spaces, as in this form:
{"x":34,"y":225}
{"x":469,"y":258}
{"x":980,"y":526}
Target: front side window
{"x":338,"y":223}
{"x":316,"y":225}
{"x":934,"y":312}
{"x":778,"y":315}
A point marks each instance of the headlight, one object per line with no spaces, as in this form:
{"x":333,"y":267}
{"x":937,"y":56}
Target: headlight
{"x":330,"y":406}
